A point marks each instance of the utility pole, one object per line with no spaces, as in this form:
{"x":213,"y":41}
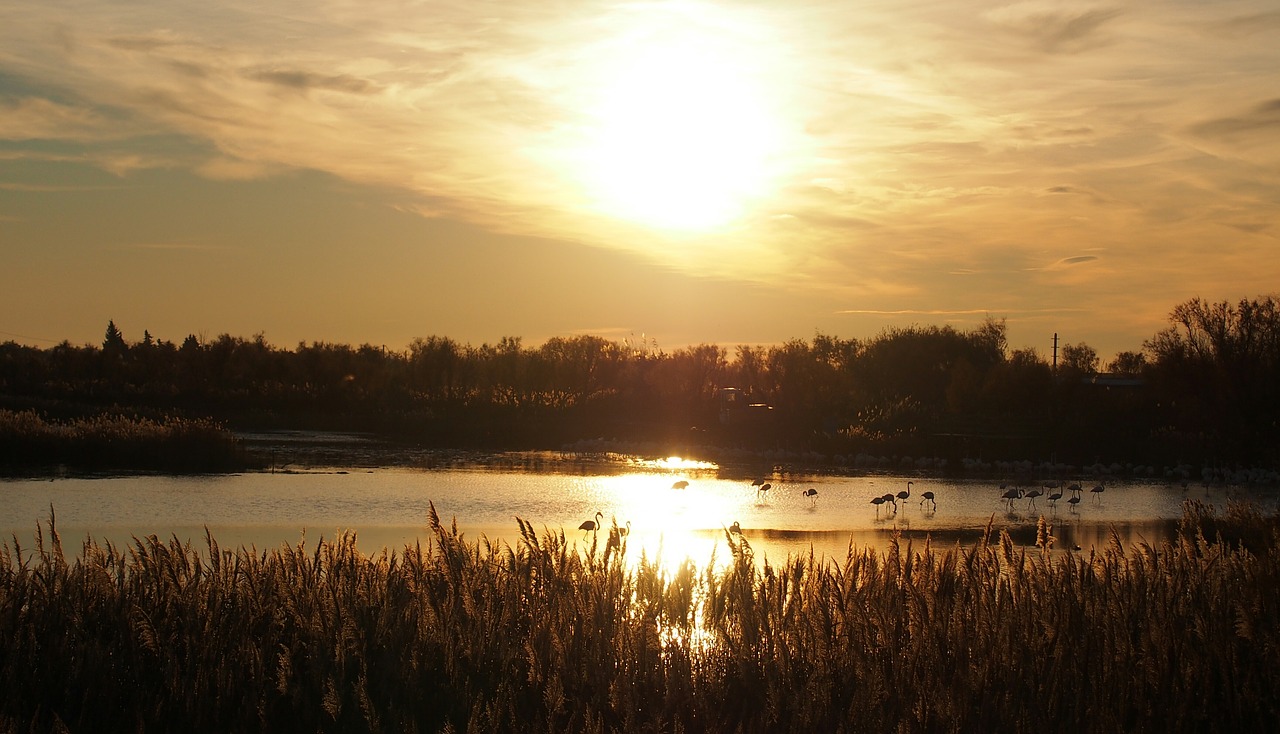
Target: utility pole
{"x":1055,"y":352}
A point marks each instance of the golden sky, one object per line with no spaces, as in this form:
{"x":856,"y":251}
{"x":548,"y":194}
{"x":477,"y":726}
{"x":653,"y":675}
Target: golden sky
{"x":731,"y":172}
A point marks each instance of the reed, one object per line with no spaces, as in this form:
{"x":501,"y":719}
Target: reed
{"x":461,"y":635}
{"x":29,"y":441}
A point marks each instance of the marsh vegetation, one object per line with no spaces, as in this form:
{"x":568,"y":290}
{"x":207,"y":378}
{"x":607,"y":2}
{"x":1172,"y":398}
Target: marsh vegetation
{"x":456,"y":635}
{"x":117,"y":441}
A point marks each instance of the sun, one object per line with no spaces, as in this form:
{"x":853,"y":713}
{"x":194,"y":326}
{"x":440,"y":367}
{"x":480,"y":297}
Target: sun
{"x":680,"y":134}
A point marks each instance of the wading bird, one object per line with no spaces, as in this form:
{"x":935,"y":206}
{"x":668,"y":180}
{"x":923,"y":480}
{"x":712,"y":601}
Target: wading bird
{"x":812,"y":494}
{"x":763,"y":490}
{"x":618,"y":534}
{"x":682,"y":484}
{"x":1097,"y":492}
{"x":590,"y":526}
{"x":928,"y":497}
{"x":1031,"y":497}
{"x":906,"y":493}
{"x":892,"y":500}
{"x":877,"y":501}
{"x":735,"y":528}
{"x":1057,"y":495}
{"x":1010,"y":495}
{"x":1075,"y":500}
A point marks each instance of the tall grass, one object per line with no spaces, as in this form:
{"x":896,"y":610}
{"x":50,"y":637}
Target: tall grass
{"x":29,"y":441}
{"x":476,"y":636}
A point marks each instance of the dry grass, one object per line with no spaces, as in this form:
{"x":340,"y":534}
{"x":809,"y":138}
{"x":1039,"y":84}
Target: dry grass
{"x":29,"y":441}
{"x":471,"y":636}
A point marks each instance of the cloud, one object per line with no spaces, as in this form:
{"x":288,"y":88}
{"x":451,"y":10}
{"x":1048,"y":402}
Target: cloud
{"x":223,"y":168}
{"x":304,"y":81}
{"x":40,"y":118}
{"x":1243,"y":26}
{"x":1053,"y":28}
{"x":1262,"y":119}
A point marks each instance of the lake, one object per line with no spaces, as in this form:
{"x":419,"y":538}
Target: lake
{"x":388,"y":507}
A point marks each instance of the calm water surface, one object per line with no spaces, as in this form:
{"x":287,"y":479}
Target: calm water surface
{"x":388,"y":508}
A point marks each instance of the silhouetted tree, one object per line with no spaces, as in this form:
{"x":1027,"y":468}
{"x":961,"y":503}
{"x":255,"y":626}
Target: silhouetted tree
{"x":1079,"y":360}
{"x":1218,"y":369}
{"x":1130,"y":364}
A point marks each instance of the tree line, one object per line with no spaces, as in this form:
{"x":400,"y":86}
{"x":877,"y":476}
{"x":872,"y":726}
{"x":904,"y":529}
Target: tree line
{"x":1205,"y":389}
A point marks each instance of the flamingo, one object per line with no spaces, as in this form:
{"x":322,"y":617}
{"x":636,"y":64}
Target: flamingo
{"x":682,"y":484}
{"x":590,"y":526}
{"x":1097,"y":492}
{"x":904,"y":494}
{"x":877,"y":501}
{"x":617,"y":534}
{"x":928,"y":497}
{"x":1010,"y":495}
{"x":1075,"y":500}
{"x":1057,"y":495}
{"x":1031,"y":497}
{"x":891,"y":499}
{"x":735,"y":528}
{"x":763,"y":490}
{"x":812,"y":494}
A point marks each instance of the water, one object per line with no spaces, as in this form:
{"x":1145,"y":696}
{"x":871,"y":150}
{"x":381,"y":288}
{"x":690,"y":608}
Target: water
{"x":388,"y":508}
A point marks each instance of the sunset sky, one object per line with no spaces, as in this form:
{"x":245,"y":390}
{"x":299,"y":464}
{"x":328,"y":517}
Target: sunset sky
{"x":693,"y":172}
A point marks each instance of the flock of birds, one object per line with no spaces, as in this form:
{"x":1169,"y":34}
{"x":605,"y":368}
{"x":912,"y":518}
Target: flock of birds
{"x":1052,"y":493}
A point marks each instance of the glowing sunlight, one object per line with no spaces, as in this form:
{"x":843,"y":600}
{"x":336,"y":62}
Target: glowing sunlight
{"x":681,"y":133}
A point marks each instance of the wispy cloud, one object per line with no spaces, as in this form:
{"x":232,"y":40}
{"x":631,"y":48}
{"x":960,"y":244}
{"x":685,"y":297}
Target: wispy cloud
{"x":929,"y":150}
{"x":1056,"y":27}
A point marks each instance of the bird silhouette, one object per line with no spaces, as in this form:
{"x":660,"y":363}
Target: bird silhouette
{"x":1010,"y":495}
{"x":735,"y":528}
{"x":888,"y":497}
{"x":618,"y":534}
{"x":682,"y":484}
{"x":1055,"y":496}
{"x":1031,"y":497}
{"x":928,"y":497}
{"x":590,"y":526}
{"x":763,"y":490}
{"x":877,"y":501}
{"x":812,"y":494}
{"x":1075,"y":500}
{"x":1097,"y":492}
{"x":906,"y":493}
